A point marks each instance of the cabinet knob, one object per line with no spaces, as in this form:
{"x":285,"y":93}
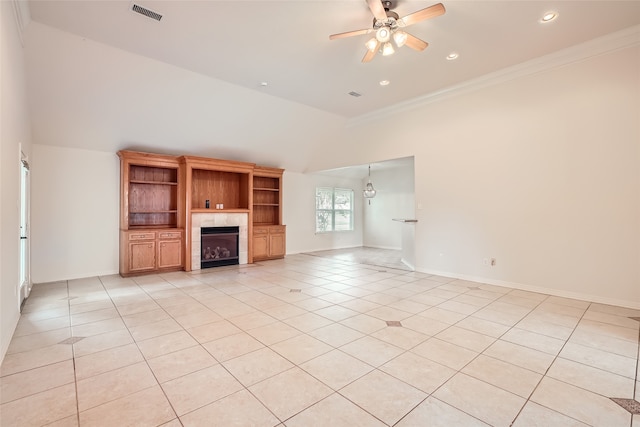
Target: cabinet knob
{"x":149,"y":246}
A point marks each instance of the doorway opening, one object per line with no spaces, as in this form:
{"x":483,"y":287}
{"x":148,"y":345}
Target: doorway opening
{"x":24,"y":282}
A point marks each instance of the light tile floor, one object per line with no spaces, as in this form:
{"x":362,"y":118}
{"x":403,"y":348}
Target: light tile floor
{"x":366,"y":255}
{"x":305,"y":341}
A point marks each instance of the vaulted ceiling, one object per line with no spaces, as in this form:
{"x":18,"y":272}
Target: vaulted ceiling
{"x":282,"y":48}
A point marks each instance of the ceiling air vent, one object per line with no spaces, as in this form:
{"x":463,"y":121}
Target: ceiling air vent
{"x":355,"y":94}
{"x":146,"y":12}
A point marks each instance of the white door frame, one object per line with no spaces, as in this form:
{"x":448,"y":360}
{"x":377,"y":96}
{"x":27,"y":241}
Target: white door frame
{"x":24,"y":284}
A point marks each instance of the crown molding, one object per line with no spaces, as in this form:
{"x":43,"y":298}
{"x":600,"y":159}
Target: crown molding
{"x":22,"y":16}
{"x":623,"y":39}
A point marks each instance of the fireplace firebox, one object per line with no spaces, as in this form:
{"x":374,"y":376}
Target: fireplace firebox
{"x":219,"y":246}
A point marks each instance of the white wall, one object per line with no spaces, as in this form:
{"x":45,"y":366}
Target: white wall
{"x":394,"y":199}
{"x":14,"y":130}
{"x":299,"y":199}
{"x":541,"y":172}
{"x":75,"y":213}
{"x":92,"y":96}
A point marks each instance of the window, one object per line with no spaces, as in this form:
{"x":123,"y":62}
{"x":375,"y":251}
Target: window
{"x":334,"y":209}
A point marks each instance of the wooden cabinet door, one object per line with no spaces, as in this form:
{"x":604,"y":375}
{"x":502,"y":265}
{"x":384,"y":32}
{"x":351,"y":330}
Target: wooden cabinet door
{"x":142,"y":256}
{"x":276,"y":245}
{"x":260,"y":246}
{"x":169,"y":253}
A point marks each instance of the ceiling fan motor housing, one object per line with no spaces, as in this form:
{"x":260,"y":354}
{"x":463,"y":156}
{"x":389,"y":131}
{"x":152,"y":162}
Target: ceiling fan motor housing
{"x":391,"y":21}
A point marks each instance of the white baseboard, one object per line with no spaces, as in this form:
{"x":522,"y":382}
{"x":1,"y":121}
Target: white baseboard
{"x":7,"y":340}
{"x":393,"y":248}
{"x":539,"y":289}
{"x":77,"y":276}
{"x":306,"y":251}
{"x":408,"y":264}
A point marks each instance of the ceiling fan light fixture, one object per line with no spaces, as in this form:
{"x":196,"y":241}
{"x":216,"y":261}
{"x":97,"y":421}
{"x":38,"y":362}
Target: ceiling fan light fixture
{"x":383,"y":34}
{"x":387,"y":25}
{"x":372,"y":44}
{"x":400,"y":37}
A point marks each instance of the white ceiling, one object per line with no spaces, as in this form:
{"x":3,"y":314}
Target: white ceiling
{"x":286,"y":43}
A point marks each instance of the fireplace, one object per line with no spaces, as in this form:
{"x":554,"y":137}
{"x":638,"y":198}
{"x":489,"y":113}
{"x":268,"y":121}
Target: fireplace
{"x":219,"y":246}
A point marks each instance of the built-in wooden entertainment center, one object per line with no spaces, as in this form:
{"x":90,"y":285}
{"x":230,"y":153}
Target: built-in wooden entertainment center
{"x":161,"y":195}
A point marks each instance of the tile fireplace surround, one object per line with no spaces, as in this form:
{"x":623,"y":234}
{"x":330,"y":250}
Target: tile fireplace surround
{"x":218,"y":219}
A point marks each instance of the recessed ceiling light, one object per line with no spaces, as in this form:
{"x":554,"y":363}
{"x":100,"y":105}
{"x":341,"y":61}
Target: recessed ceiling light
{"x":263,"y":84}
{"x":384,"y":82}
{"x":549,"y":16}
{"x":452,"y":56}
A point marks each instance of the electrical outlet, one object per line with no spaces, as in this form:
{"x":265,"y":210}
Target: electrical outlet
{"x":493,"y":262}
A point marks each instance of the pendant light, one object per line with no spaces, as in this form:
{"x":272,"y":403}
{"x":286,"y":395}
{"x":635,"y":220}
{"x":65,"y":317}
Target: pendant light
{"x":369,"y":192}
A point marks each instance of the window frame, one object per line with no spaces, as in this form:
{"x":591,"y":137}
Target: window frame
{"x":333,"y":211}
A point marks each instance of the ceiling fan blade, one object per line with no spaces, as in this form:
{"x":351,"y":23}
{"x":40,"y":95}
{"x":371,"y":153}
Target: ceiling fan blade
{"x":371,"y":53}
{"x":421,"y":15}
{"x":415,"y":43}
{"x":350,"y":34}
{"x":377,"y":9}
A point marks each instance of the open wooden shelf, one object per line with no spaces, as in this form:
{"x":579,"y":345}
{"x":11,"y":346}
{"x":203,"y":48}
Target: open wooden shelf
{"x":137,"y":181}
{"x":154,"y":212}
{"x":266,"y":182}
{"x":229,"y":188}
{"x":153,"y":173}
{"x":225,"y":210}
{"x":146,"y":227}
{"x":151,"y":213}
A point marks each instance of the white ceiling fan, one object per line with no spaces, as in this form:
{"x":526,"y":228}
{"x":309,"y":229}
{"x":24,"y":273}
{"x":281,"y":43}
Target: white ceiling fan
{"x":387,"y":25}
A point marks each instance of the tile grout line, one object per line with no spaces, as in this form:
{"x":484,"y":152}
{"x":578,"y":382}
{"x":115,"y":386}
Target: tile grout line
{"x":294,"y":364}
{"x":144,"y":357}
{"x":635,"y":383}
{"x":110,"y":298}
{"x":547,"y":371}
{"x":496,"y":339}
{"x":73,"y":354}
{"x":405,"y":350}
{"x":298,"y":270}
{"x":338,"y":304}
{"x":282,"y":421}
{"x":434,"y":336}
{"x":459,"y":371}
{"x":199,"y":344}
{"x":408,"y":350}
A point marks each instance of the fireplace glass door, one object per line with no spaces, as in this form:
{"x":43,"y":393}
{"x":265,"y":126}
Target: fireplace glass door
{"x":219,"y":246}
